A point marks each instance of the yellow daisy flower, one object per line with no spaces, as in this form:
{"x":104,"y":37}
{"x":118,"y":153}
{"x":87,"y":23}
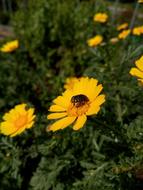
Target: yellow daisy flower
{"x":100,"y":17}
{"x":140,"y":1}
{"x":138,"y":72}
{"x":95,"y":41}
{"x":17,"y":120}
{"x":70,"y":82}
{"x":124,"y":34}
{"x":10,"y":46}
{"x":76,"y":104}
{"x":122,"y":26}
{"x":138,"y":30}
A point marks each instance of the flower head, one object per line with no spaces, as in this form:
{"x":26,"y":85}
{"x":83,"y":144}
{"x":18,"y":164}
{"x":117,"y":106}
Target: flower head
{"x":17,"y":120}
{"x":100,"y":17}
{"x":76,"y":104}
{"x":124,"y":34}
{"x":10,"y":46}
{"x":140,"y":1}
{"x":138,"y":72}
{"x":95,"y":41}
{"x":122,"y":26}
{"x":138,"y":30}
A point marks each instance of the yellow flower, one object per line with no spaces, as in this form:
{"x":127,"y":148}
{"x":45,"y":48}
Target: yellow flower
{"x":138,"y":72}
{"x":124,"y":34}
{"x":10,"y":46}
{"x":76,"y":104}
{"x":140,"y":1}
{"x":138,"y":30}
{"x":122,"y":26}
{"x":100,"y":17}
{"x":92,"y":42}
{"x":114,"y":40}
{"x":17,"y":120}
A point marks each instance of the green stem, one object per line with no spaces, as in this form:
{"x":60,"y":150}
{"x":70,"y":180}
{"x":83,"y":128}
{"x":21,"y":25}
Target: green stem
{"x":132,"y":22}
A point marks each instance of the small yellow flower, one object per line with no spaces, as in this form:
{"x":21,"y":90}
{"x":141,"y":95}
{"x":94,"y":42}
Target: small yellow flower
{"x":10,"y":46}
{"x":93,"y":42}
{"x":70,"y":82}
{"x":114,"y":40}
{"x":122,"y":26}
{"x":140,"y":1}
{"x":138,"y":72}
{"x":138,"y":30}
{"x":17,"y":120}
{"x":124,"y":34}
{"x":76,"y":104}
{"x":100,"y":17}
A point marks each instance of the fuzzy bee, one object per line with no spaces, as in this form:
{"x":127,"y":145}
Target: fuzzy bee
{"x":79,"y":100}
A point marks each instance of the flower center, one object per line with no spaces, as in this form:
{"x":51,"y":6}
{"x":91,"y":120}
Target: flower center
{"x":21,"y":121}
{"x":79,"y":105}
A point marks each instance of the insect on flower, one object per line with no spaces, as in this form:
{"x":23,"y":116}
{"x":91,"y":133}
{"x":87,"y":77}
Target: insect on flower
{"x":79,"y":100}
{"x":75,"y":104}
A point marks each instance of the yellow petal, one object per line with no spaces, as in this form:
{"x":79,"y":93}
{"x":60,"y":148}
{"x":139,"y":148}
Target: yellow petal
{"x":29,"y":125}
{"x":30,"y":114}
{"x":98,"y":90}
{"x":20,"y":109}
{"x":62,"y":123}
{"x":100,"y":99}
{"x":56,"y":108}
{"x":17,"y":132}
{"x":139,"y":63}
{"x":80,"y":122}
{"x":93,"y":110}
{"x":8,"y":117}
{"x":80,"y":86}
{"x":31,"y":118}
{"x":56,"y":115}
{"x":136,"y":72}
{"x":68,"y":95}
{"x":95,"y":105}
{"x":61,"y":101}
{"x":11,"y":115}
{"x":7,"y":128}
{"x":91,"y":89}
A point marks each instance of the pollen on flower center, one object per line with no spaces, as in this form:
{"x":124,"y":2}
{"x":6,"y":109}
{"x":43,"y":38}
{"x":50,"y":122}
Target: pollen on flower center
{"x":21,"y":121}
{"x":79,"y":105}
